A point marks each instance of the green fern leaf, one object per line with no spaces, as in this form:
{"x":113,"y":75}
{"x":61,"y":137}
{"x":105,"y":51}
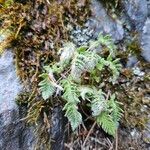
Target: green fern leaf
{"x":83,"y":61}
{"x":71,"y":93}
{"x":98,"y":104}
{"x":107,"y":41}
{"x":46,"y":86}
{"x":67,"y":52}
{"x":116,"y":111}
{"x":73,"y":115}
{"x":106,"y":122}
{"x":115,"y":67}
{"x":85,"y":92}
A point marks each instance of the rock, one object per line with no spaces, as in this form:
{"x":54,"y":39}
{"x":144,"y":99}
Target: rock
{"x":13,"y":133}
{"x":9,"y":114}
{"x":101,"y":22}
{"x":138,"y":72}
{"x":9,"y":83}
{"x":145,"y":41}
{"x":132,"y":60}
{"x":137,"y":12}
{"x":58,"y":129}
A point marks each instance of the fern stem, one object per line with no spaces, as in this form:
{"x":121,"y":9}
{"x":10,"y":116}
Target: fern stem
{"x":89,"y":133}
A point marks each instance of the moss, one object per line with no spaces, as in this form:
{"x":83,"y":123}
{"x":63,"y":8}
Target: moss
{"x":132,"y":96}
{"x":113,"y":7}
{"x":134,"y":48}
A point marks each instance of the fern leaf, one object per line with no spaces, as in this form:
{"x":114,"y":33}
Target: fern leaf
{"x":67,"y":52}
{"x":106,"y":122}
{"x":101,"y":63}
{"x":115,"y":67}
{"x":98,"y":104}
{"x":73,"y":115}
{"x":84,"y":61}
{"x":71,"y":93}
{"x":107,"y":41}
{"x":85,"y":92}
{"x":46,"y":86}
{"x":116,"y":111}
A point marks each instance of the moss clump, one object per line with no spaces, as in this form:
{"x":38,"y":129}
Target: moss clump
{"x":134,"y":48}
{"x":133,"y":96}
{"x":113,"y":7}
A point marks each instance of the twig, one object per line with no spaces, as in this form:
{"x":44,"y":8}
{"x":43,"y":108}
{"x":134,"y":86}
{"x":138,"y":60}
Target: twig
{"x":88,"y":134}
{"x":116,"y":146}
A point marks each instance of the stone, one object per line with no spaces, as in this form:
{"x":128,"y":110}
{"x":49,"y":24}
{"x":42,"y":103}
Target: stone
{"x":58,"y":133}
{"x":14,"y":135}
{"x":137,"y":11}
{"x":100,"y":22}
{"x":145,"y":41}
{"x":9,"y":83}
{"x":132,"y":60}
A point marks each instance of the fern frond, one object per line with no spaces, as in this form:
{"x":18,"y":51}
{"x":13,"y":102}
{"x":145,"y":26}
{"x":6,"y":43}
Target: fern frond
{"x":106,"y":122}
{"x":101,"y":63}
{"x":73,"y":115}
{"x":85,"y":92}
{"x":46,"y":86}
{"x":67,"y":52}
{"x":107,"y":41}
{"x":83,"y":61}
{"x":98,"y":103}
{"x":115,"y":67}
{"x":115,"y":110}
{"x":71,"y":94}
{"x":77,"y":67}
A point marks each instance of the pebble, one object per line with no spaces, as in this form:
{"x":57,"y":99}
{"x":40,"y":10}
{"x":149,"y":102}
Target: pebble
{"x":138,"y":72}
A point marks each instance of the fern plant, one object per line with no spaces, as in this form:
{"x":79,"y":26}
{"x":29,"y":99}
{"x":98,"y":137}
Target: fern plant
{"x":76,"y":78}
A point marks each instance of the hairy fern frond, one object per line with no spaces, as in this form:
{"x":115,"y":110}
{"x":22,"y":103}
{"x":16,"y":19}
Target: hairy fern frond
{"x":98,"y":103}
{"x":71,"y":94}
{"x":46,"y":86}
{"x":106,"y":122}
{"x":73,"y":115}
{"x":107,"y":41}
{"x":83,"y":61}
{"x":114,"y":108}
{"x":78,"y":78}
{"x":67,"y":52}
{"x":115,"y":67}
{"x":85,"y":92}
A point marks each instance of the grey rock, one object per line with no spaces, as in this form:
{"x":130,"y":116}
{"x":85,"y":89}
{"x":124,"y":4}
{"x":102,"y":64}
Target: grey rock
{"x":13,"y":133}
{"x":58,"y":129}
{"x":132,"y":60}
{"x":137,"y":12}
{"x":138,"y":72}
{"x":9,"y":83}
{"x":145,"y":40}
{"x":100,"y":22}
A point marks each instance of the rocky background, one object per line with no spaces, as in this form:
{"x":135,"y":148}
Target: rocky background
{"x":14,"y":134}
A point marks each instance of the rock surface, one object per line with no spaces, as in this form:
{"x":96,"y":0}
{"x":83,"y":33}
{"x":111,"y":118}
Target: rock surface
{"x":13,"y":134}
{"x":137,"y":12}
{"x":101,"y":22}
{"x":145,"y":40}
